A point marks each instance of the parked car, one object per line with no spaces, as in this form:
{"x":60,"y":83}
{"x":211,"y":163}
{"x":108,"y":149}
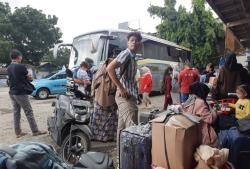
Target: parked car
{"x":54,"y":83}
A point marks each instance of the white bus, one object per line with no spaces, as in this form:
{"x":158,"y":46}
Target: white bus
{"x":99,"y":45}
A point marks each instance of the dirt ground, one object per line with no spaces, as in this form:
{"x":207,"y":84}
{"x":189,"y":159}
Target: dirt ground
{"x":42,"y":110}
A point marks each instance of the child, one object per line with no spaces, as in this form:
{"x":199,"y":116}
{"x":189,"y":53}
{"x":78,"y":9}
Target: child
{"x":242,"y":106}
{"x":167,"y":86}
{"x":83,"y":78}
{"x":146,"y":85}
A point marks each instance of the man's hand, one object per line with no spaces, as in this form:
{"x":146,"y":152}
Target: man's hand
{"x":124,"y":93}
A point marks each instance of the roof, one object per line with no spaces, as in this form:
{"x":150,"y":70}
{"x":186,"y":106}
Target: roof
{"x":144,"y":35}
{"x":236,"y":15}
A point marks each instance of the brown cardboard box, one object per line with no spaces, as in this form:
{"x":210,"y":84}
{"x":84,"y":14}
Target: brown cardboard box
{"x":177,"y":138}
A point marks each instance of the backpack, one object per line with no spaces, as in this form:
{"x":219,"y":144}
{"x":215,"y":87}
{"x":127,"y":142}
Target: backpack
{"x":102,"y":76}
{"x":30,"y":155}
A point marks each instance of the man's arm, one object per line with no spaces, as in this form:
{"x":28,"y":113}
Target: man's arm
{"x":111,"y":71}
{"x":82,"y":82}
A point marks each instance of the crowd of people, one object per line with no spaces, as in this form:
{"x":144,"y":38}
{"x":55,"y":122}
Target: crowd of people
{"x":115,"y":92}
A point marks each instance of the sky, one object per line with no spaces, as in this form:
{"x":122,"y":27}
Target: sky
{"x":76,"y":17}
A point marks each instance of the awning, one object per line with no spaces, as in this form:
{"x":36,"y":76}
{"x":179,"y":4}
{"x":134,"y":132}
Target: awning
{"x":236,"y":16}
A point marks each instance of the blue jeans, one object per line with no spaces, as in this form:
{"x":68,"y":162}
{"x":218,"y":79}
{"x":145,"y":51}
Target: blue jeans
{"x":184,"y":97}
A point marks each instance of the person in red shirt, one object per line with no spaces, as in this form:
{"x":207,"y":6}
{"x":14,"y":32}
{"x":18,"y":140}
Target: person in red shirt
{"x":186,"y":77}
{"x":146,"y":83}
{"x":167,"y":86}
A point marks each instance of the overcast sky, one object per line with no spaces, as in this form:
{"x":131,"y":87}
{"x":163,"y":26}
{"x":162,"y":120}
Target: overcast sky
{"x":81,"y":16}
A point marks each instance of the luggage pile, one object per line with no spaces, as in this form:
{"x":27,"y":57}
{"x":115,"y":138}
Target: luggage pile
{"x":169,"y":142}
{"x":175,"y":138}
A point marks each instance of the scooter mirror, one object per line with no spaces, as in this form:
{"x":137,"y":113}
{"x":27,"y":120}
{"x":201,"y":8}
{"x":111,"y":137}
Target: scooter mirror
{"x":69,"y":73}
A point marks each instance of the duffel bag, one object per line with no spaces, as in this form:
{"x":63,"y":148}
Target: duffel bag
{"x":30,"y":155}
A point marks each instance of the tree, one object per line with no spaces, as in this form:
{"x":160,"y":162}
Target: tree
{"x":28,"y":30}
{"x":197,"y":29}
{"x":5,"y":33}
{"x":34,"y":32}
{"x":62,"y":59}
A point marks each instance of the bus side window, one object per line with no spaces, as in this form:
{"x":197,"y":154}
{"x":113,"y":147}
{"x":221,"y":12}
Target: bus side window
{"x":113,"y":50}
{"x":104,"y":52}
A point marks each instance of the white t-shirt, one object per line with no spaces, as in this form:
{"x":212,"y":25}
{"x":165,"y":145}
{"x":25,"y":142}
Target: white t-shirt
{"x":83,"y":75}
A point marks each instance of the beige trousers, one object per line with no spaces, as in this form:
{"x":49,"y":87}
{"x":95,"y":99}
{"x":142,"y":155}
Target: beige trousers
{"x":127,"y":116}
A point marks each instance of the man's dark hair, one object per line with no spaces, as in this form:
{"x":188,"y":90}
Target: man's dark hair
{"x":135,"y":34}
{"x":15,"y":53}
{"x":84,"y":64}
{"x":90,"y":62}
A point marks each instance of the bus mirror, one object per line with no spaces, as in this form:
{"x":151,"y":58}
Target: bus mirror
{"x":57,"y":47}
{"x":110,"y":37}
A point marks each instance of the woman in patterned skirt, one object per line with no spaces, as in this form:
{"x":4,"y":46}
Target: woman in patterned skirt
{"x":104,"y":119}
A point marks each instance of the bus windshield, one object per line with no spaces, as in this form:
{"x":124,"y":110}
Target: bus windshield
{"x":87,"y":46}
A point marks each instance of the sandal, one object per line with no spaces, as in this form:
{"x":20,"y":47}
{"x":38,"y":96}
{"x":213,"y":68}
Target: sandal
{"x":21,"y":135}
{"x":39,"y":133}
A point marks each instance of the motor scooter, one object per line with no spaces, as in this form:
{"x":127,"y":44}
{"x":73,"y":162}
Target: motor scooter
{"x":68,"y":126}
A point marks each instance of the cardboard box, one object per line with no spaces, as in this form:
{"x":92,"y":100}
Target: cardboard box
{"x":175,"y":141}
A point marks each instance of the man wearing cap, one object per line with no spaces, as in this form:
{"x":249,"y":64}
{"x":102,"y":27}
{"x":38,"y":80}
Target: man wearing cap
{"x":18,"y":78}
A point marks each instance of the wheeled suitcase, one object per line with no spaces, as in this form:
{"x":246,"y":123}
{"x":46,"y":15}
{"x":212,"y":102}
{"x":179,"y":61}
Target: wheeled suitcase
{"x":238,"y":145}
{"x":135,"y":147}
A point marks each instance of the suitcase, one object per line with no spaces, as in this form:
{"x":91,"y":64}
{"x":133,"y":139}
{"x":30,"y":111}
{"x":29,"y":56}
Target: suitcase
{"x":135,"y":147}
{"x":238,"y":145}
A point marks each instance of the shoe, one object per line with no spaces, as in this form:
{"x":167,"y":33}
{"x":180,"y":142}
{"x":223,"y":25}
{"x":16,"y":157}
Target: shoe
{"x":39,"y":133}
{"x":21,"y":135}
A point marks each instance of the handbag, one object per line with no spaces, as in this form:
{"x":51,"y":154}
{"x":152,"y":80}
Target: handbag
{"x":28,"y":87}
{"x":244,"y":125}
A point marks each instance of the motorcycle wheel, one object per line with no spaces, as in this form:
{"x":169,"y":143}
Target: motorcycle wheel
{"x":80,"y":143}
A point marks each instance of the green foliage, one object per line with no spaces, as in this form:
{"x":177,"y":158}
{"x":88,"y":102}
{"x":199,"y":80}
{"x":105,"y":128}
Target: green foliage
{"x":62,"y":59}
{"x":197,"y":29}
{"x":5,"y":48}
{"x":5,"y":33}
{"x":28,"y":30}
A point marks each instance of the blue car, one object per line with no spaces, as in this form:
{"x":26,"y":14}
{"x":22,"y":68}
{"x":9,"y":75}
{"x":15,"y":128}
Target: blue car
{"x":54,"y":83}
